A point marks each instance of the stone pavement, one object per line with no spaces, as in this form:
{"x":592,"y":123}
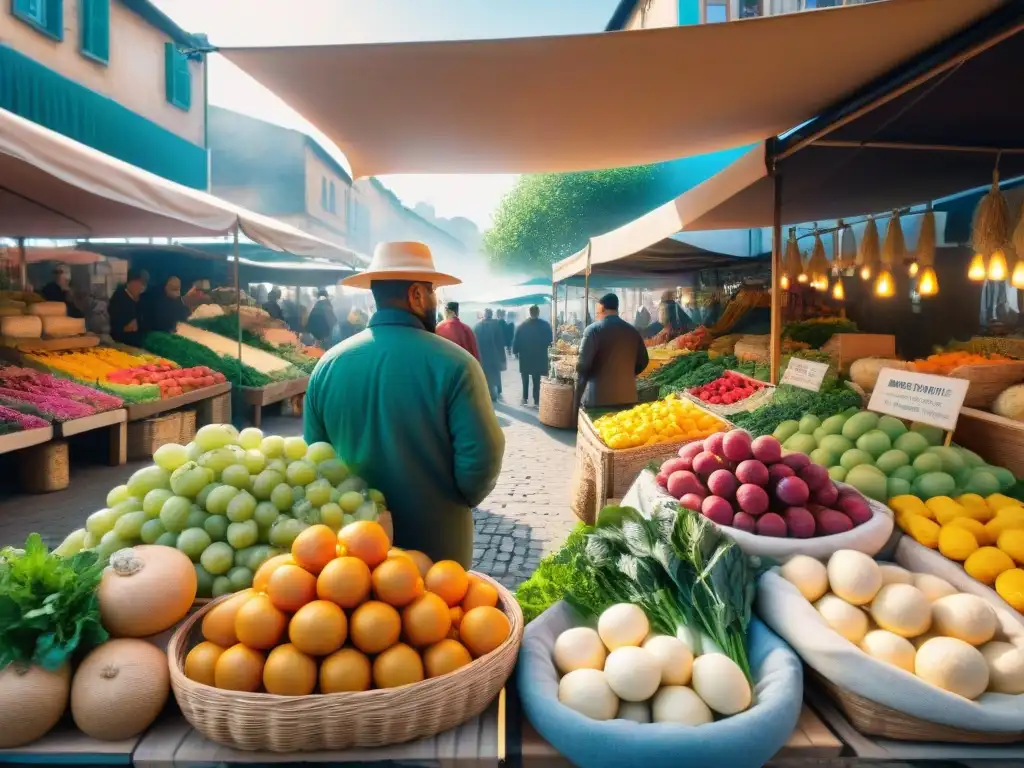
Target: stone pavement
{"x":525,"y":517}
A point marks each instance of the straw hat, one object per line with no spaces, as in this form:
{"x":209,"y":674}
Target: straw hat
{"x":401,"y":261}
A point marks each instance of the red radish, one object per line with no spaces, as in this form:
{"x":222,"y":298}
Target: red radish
{"x":692,"y":501}
{"x":752,"y":471}
{"x":690,"y":450}
{"x":717,"y":509}
{"x":752,"y":499}
{"x":792,"y":491}
{"x":683,"y":482}
{"x":770,"y":524}
{"x":705,"y":463}
{"x":800,"y":522}
{"x":796,"y":461}
{"x":736,"y":445}
{"x":674,"y":465}
{"x":744,"y":522}
{"x":661,"y":480}
{"x":713,"y":443}
{"x":766,"y":449}
{"x":778,"y":471}
{"x":722,"y":483}
{"x":831,"y":521}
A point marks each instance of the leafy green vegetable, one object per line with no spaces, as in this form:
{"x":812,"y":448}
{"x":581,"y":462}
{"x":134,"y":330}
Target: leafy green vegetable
{"x":816,"y":333}
{"x":188,"y":354}
{"x":48,"y":605}
{"x":792,"y":403}
{"x":678,"y":367}
{"x":227,"y":326}
{"x":562,"y":575}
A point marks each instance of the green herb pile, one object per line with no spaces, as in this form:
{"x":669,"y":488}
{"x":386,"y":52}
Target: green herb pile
{"x":680,"y":366}
{"x":816,"y":333}
{"x":703,"y":374}
{"x":227,"y":326}
{"x":559,"y":576}
{"x":48,"y":605}
{"x":792,"y":403}
{"x":188,"y":354}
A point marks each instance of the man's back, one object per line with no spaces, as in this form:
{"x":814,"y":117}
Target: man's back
{"x":410,"y":413}
{"x":459,"y":333}
{"x":612,"y":353}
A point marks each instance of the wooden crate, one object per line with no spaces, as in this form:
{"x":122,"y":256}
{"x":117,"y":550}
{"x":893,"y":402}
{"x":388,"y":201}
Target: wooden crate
{"x":844,"y":348}
{"x":999,"y":440}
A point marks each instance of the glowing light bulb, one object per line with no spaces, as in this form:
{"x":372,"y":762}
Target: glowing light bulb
{"x":997,"y":269}
{"x":838,"y":293}
{"x":865,"y":272}
{"x":884,"y":287}
{"x":928,"y":283}
{"x":802,"y":277}
{"x":976,"y":271}
{"x":823,"y":284}
{"x":784,"y":283}
{"x":913,"y":269}
{"x":1017,"y":279}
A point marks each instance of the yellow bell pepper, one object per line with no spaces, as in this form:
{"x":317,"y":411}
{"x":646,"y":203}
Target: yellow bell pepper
{"x":957,"y":543}
{"x":923,"y":530}
{"x":1012,"y":543}
{"x":1010,"y":587}
{"x":987,"y":563}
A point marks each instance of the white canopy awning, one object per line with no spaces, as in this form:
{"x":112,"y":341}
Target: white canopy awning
{"x":584,"y":102}
{"x":54,"y":187}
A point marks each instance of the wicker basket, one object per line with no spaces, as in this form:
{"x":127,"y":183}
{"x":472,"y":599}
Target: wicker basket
{"x":187,"y":428}
{"x":754,"y":347}
{"x":262,"y":721}
{"x":999,"y":345}
{"x":556,"y":402}
{"x":987,"y":381}
{"x":146,"y":435}
{"x":44,"y":468}
{"x":215,"y":410}
{"x":877,"y":720}
{"x":583,"y":496}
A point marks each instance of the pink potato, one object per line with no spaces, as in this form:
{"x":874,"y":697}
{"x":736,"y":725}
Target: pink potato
{"x":691,"y":501}
{"x":791,"y":491}
{"x":736,"y":445}
{"x":661,"y":480}
{"x":831,"y":521}
{"x":826,"y":495}
{"x":717,"y":509}
{"x":690,"y":450}
{"x":752,"y":499}
{"x":796,"y":461}
{"x":855,"y":507}
{"x":683,"y":482}
{"x":771,"y":524}
{"x":713,"y":444}
{"x":744,"y":522}
{"x":722,"y":483}
{"x":766,"y":449}
{"x":674,"y":465}
{"x":753,"y":471}
{"x":815,"y":476}
{"x":799,"y":522}
{"x":705,"y":463}
{"x":778,"y":471}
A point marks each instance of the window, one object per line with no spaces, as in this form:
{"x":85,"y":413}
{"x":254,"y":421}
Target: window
{"x":47,"y":16}
{"x":716,"y":11}
{"x":332,"y":203}
{"x":179,"y":78}
{"x":95,"y":26}
{"x":810,"y":5}
{"x":323,"y":192}
{"x":751,"y":9}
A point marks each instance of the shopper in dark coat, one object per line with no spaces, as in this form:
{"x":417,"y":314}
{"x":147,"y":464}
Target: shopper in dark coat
{"x":612,"y":355}
{"x":163,"y":308}
{"x":530,"y":345}
{"x":490,"y":339}
{"x":123,"y":309}
{"x":322,"y":320}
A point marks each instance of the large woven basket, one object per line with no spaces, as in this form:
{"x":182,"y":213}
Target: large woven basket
{"x":44,"y":468}
{"x":987,"y":381}
{"x":146,"y":435}
{"x":187,"y":428}
{"x":556,"y":402}
{"x":335,"y":721}
{"x":875,"y":719}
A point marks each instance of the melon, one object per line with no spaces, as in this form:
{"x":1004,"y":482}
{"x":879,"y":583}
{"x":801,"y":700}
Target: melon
{"x":32,"y":700}
{"x":119,"y":689}
{"x":146,"y":590}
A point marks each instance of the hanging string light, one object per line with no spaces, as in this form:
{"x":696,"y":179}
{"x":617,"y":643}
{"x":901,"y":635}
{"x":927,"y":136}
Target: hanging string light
{"x":1017,"y":278}
{"x":818,"y":265}
{"x":990,"y":233}
{"x":892,"y":252}
{"x":838,"y":292}
{"x":792,"y":267}
{"x":867,"y":256}
{"x":927,"y":281}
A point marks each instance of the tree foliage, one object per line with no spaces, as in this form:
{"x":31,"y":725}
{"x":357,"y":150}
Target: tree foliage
{"x":549,"y":216}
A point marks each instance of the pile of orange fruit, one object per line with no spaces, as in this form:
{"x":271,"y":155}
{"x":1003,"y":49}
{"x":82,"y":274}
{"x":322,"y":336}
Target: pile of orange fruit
{"x":945,"y":362}
{"x":347,"y":612}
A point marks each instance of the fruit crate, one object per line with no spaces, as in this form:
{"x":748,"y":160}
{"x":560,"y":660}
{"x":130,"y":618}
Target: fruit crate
{"x":761,"y":397}
{"x":844,"y":348}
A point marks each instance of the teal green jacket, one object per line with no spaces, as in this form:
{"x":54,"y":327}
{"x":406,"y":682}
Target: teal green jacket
{"x":410,"y":413}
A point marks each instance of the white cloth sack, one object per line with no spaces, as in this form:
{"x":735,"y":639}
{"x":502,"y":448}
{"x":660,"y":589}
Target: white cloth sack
{"x":645,"y":494}
{"x":917,"y":557}
{"x":786,"y":611}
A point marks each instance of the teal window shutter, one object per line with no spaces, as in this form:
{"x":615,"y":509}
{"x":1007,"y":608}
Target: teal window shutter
{"x":47,"y":16}
{"x":179,"y":79}
{"x":323,"y":192}
{"x":332,"y":203}
{"x":95,"y":26}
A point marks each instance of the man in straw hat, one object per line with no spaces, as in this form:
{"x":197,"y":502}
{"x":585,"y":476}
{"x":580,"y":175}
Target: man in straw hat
{"x":409,"y":411}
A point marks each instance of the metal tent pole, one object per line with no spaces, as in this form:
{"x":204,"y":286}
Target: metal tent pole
{"x":22,"y":264}
{"x":586,"y":289}
{"x":554,"y":306}
{"x":775,"y":343}
{"x":238,"y":308}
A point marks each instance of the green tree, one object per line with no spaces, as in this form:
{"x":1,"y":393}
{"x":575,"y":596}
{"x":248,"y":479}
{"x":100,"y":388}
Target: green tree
{"x":549,"y":216}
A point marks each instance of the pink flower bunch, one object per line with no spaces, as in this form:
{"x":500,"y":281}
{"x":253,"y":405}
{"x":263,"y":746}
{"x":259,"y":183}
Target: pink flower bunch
{"x":54,"y":406}
{"x":27,"y":381}
{"x":23,"y":420}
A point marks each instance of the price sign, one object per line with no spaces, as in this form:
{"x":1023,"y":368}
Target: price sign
{"x":805,"y":374}
{"x":932,"y":400}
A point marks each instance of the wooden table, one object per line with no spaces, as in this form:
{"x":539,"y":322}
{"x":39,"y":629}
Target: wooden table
{"x":809,"y":744}
{"x":113,"y":421}
{"x":138,"y":411}
{"x":66,"y":745}
{"x":258,"y":397}
{"x":15,"y":441}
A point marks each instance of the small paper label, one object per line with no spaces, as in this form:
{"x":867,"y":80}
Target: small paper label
{"x":932,"y":400}
{"x":806,"y":374}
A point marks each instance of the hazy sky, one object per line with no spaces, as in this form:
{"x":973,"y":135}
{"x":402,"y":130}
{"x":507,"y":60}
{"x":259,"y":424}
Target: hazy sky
{"x":298,"y":22}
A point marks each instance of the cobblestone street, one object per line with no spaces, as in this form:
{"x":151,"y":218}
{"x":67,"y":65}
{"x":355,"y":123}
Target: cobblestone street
{"x":525,"y":517}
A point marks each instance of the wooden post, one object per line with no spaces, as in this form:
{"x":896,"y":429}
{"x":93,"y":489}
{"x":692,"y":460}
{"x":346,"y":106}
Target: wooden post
{"x":238,"y":307}
{"x":22,"y":264}
{"x":586,"y":289}
{"x":775,"y":342}
{"x":554,"y":308}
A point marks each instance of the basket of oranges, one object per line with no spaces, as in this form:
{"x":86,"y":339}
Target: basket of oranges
{"x":345,"y":642}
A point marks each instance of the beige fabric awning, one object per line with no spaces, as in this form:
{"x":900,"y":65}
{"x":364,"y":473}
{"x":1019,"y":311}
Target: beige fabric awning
{"x":54,"y":187}
{"x":595,"y":101}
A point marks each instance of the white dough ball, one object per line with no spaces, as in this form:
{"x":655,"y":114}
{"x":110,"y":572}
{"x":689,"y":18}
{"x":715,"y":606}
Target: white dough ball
{"x":587,"y":691}
{"x":902,"y":609}
{"x":674,"y":656}
{"x":623,"y":624}
{"x":965,"y":617}
{"x":720,"y":682}
{"x":854,"y":576}
{"x":679,"y":704}
{"x":1005,"y":667}
{"x":953,"y":666}
{"x":849,"y":621}
{"x":633,"y":673}
{"x":806,"y":574}
{"x":894,"y":574}
{"x":890,"y":648}
{"x":637,"y":711}
{"x":933,"y":586}
{"x":579,"y":648}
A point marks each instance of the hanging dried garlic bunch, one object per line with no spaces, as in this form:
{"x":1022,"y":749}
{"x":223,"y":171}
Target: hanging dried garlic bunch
{"x":867,"y":256}
{"x":990,"y":233}
{"x":924,"y":256}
